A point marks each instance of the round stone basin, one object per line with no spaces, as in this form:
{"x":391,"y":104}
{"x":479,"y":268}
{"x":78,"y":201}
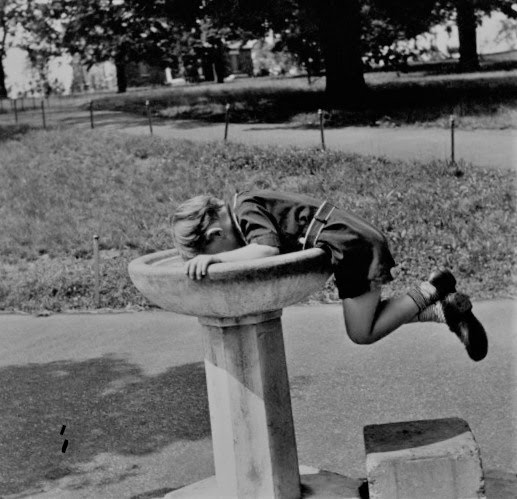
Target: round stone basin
{"x":230,"y":289}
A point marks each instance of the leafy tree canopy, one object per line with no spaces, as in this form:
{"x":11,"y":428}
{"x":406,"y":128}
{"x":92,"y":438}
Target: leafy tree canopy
{"x":29,"y":25}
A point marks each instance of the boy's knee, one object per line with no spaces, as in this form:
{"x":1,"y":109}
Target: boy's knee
{"x":360,"y":337}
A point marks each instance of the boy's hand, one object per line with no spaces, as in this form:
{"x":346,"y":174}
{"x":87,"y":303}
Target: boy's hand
{"x":196,"y":267}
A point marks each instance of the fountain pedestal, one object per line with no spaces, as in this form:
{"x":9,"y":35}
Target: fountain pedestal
{"x":239,"y":306}
{"x":250,"y":407}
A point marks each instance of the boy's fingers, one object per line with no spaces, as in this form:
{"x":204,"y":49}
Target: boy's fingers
{"x":199,"y":269}
{"x":192,"y":269}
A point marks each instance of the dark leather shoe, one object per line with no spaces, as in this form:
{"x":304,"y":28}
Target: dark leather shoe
{"x":443,"y":281}
{"x":457,"y":309}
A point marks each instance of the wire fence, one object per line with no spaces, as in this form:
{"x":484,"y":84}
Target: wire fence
{"x":64,"y":110}
{"x":29,"y":102}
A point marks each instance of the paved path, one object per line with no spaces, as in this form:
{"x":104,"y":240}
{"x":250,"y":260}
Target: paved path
{"x":130,"y":389}
{"x":486,"y":148}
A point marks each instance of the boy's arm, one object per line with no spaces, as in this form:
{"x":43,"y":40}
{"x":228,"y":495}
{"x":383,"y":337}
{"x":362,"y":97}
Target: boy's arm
{"x":197,"y":266}
{"x":248,"y":252}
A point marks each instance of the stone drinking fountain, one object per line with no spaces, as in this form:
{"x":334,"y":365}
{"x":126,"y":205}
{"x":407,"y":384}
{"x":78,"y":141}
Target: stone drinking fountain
{"x":239,"y":306}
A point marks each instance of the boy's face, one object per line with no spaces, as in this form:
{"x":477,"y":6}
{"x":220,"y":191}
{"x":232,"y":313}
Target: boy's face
{"x":222,"y":236}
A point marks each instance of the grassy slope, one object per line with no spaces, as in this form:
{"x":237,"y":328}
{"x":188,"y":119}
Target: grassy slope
{"x":479,"y":100}
{"x":58,"y":189}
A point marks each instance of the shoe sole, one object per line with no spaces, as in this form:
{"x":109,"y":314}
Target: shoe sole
{"x":462,"y":322}
{"x":477,"y":343}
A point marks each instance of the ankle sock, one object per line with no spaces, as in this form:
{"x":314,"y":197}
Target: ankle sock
{"x":423,"y":295}
{"x":433,"y":313}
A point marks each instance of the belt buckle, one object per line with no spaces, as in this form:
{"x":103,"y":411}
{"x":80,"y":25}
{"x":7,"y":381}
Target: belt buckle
{"x":321,"y":221}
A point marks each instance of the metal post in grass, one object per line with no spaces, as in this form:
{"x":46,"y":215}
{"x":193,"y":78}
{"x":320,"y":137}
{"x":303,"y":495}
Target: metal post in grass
{"x":148,"y":107}
{"x":452,"y":123}
{"x":43,"y":114}
{"x":96,"y":266}
{"x":91,"y":114}
{"x":322,"y":130}
{"x":15,"y":109}
{"x":227,"y":118}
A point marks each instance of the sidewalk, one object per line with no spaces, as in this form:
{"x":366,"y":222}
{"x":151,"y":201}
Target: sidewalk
{"x":485,"y":148}
{"x":130,"y":389}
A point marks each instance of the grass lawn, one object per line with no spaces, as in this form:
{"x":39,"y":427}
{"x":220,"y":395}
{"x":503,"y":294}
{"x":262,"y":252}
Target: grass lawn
{"x":479,"y":100}
{"x":59,"y":188}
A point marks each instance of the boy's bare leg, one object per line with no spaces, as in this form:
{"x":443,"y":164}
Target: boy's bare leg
{"x":368,"y":319}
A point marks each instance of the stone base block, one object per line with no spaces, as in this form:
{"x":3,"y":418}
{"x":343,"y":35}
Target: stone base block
{"x":317,"y":484}
{"x":429,"y":459}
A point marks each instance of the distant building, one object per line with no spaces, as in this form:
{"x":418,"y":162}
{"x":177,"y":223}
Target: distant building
{"x":239,"y":59}
{"x":260,"y":57}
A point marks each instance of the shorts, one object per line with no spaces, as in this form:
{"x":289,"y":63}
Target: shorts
{"x":360,"y":256}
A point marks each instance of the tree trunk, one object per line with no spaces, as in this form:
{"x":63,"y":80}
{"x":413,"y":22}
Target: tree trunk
{"x":3,"y":90}
{"x":219,"y":62}
{"x":339,"y":24}
{"x":466,"y":22}
{"x":120,"y":65}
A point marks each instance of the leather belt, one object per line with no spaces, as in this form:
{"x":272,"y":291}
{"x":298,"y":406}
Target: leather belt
{"x":316,"y":226}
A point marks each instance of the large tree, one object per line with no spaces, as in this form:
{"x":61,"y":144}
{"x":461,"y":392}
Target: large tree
{"x":10,"y":13}
{"x":40,"y":36}
{"x":339,"y":24}
{"x":175,"y":35}
{"x":122,"y":31}
{"x":468,"y":16}
{"x":467,"y":24}
{"x":332,"y":25}
{"x":222,"y":20}
{"x":4,"y":33}
{"x":411,"y":18}
{"x":26,"y":24}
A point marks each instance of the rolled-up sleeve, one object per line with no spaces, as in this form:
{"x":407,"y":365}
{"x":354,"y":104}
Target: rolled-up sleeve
{"x":257,"y":224}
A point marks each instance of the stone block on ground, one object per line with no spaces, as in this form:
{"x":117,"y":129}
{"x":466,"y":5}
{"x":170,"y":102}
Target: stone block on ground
{"x":428,"y":459}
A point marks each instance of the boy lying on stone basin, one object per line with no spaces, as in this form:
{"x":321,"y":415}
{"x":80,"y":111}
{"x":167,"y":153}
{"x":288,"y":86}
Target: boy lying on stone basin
{"x":258,"y":224}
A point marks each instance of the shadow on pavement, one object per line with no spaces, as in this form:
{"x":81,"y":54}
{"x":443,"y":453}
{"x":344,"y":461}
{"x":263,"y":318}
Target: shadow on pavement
{"x":107,"y":405}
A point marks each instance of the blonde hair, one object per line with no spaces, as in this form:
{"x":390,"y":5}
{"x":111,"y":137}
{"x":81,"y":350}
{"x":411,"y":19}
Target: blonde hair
{"x":190,"y":223}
